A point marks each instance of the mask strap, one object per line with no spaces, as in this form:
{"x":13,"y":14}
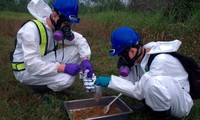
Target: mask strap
{"x":60,"y":21}
{"x":53,"y":22}
{"x":144,"y":53}
{"x":138,"y":54}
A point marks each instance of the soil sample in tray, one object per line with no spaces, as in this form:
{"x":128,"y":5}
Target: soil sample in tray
{"x":93,"y":112}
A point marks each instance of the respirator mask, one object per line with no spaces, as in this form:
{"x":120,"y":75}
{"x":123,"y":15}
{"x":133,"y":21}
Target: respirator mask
{"x":122,"y":65}
{"x":125,"y":63}
{"x":64,"y":32}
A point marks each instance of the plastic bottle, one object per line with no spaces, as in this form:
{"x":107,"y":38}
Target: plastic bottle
{"x":98,"y":93}
{"x":88,"y":82}
{"x":89,"y":85}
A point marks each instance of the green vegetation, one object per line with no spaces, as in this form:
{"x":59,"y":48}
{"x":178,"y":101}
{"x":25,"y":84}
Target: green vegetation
{"x":15,"y":101}
{"x":14,"y":15}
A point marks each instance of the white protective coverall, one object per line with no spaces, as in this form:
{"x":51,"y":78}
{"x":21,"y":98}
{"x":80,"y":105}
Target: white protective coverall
{"x":165,"y":86}
{"x":43,"y":70}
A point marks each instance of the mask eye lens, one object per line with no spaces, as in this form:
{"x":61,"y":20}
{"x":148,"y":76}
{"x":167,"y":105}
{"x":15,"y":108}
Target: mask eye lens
{"x":73,"y":18}
{"x":111,"y":51}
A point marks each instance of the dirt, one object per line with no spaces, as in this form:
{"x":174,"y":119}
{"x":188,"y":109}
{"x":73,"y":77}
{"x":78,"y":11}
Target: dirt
{"x":92,"y":112}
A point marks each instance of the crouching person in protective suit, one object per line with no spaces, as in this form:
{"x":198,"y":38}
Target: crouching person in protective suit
{"x":164,"y":87}
{"x":35,"y":60}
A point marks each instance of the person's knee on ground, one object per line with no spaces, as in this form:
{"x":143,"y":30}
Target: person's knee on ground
{"x":162,"y":115}
{"x":143,"y":107}
{"x":38,"y":89}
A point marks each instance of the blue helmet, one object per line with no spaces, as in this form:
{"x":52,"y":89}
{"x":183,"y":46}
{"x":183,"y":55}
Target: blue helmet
{"x":123,"y":38}
{"x":67,"y":8}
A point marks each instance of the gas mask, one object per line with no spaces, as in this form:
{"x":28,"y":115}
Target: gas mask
{"x":64,"y":33}
{"x":125,"y":63}
{"x":124,"y":70}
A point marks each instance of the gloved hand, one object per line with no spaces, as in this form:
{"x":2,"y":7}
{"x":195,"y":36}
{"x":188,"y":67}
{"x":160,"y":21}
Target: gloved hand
{"x":102,"y":81}
{"x":87,"y":65}
{"x":72,"y":69}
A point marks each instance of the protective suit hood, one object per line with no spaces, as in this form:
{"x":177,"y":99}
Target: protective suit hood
{"x":163,"y":46}
{"x":159,"y":47}
{"x":39,"y":9}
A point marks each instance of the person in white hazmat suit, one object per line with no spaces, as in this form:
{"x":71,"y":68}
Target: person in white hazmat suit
{"x":164,"y":87}
{"x":56,"y":69}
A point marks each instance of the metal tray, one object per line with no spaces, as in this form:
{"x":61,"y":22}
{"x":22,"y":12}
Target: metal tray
{"x":88,"y":103}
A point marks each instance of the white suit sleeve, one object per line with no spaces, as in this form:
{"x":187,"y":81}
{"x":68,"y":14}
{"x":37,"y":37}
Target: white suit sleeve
{"x":28,"y":37}
{"x":126,"y":87}
{"x":82,"y":45}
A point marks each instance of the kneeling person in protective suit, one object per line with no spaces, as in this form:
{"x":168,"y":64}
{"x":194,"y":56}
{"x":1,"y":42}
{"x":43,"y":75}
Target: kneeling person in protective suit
{"x":164,"y":87}
{"x":36,"y":61}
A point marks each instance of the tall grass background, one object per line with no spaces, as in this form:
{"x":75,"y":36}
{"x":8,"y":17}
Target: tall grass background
{"x":17,"y":104}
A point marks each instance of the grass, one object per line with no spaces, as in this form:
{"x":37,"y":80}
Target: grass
{"x":15,"y":101}
{"x":14,"y":15}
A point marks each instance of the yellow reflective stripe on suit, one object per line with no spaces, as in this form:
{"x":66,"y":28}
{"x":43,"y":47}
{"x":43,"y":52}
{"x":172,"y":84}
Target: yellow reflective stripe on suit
{"x":19,"y":66}
{"x":43,"y":36}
